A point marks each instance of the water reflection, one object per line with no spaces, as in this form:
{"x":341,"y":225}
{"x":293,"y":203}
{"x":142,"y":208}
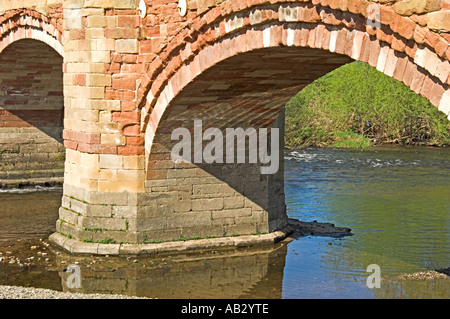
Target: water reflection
{"x":243,"y":273}
{"x":28,"y":217}
{"x":28,"y":213}
{"x":396,"y":203}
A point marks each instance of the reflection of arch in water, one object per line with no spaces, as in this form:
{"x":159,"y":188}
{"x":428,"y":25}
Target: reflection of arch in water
{"x":243,"y":273}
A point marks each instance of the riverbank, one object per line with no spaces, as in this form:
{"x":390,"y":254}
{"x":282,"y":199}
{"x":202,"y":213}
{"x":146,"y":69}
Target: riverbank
{"x":421,"y":275}
{"x":356,"y":106}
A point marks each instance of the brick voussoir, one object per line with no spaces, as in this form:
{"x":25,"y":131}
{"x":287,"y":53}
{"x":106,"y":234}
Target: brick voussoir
{"x":15,"y":18}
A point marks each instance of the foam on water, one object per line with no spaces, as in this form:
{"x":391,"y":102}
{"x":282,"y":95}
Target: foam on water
{"x":24,"y":190}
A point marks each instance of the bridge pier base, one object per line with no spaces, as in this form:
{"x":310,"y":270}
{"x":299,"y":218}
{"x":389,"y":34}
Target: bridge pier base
{"x":184,"y":206}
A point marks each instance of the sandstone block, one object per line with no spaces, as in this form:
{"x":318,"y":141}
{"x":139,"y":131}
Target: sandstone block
{"x":410,"y":7}
{"x":98,"y":3}
{"x":439,"y":21}
{"x":127,"y":46}
{"x":207,"y":204}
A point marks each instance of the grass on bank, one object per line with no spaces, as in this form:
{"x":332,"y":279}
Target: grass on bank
{"x":357,"y":106}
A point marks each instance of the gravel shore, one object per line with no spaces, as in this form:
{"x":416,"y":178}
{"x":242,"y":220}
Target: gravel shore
{"x":422,"y":275}
{"x":14,"y":292}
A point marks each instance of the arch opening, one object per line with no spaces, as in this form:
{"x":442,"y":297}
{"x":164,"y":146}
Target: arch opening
{"x":248,"y":90}
{"x":31,"y":114}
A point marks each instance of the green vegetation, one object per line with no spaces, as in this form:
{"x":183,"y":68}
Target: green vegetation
{"x":59,"y":158}
{"x":153,"y":242}
{"x":189,"y":238}
{"x":78,"y":200}
{"x":66,"y":235}
{"x":107,"y":241}
{"x":96,"y":229}
{"x":349,"y":139}
{"x":259,"y":233}
{"x":357,"y":106}
{"x":103,"y":241}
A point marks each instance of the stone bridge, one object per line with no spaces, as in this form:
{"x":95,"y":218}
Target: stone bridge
{"x":93,"y":89}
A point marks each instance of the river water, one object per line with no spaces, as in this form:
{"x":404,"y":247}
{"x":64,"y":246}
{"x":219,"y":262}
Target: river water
{"x":395,"y":200}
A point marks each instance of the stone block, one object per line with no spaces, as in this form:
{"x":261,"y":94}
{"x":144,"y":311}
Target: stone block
{"x":204,"y":231}
{"x":104,"y":211}
{"x":241,"y":229}
{"x":410,"y":7}
{"x":98,"y":3}
{"x":149,"y":224}
{"x":68,"y":216}
{"x":120,"y":199}
{"x":108,"y":249}
{"x":180,"y":220}
{"x":102,"y":223}
{"x":127,"y":46}
{"x":207,"y":204}
{"x":233,"y":202}
{"x":160,"y":235}
{"x":439,"y":21}
{"x":125,"y":4}
{"x":231,"y":213}
{"x":84,"y":248}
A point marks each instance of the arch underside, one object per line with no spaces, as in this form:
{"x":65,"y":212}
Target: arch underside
{"x":395,"y":47}
{"x":249,"y":89}
{"x":31,"y":99}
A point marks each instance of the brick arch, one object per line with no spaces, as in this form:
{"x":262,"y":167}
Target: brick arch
{"x":398,"y":47}
{"x":22,"y":24}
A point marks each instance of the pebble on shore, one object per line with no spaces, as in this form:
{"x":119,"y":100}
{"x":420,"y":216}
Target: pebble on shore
{"x":15,"y":292}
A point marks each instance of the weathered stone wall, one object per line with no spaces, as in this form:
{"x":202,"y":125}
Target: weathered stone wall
{"x":31,"y":113}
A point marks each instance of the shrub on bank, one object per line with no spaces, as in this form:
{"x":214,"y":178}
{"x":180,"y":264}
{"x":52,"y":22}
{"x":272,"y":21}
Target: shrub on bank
{"x":357,"y":106}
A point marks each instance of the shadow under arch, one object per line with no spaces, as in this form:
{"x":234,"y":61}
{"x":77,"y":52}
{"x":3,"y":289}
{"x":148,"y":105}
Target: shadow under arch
{"x":31,"y":113}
